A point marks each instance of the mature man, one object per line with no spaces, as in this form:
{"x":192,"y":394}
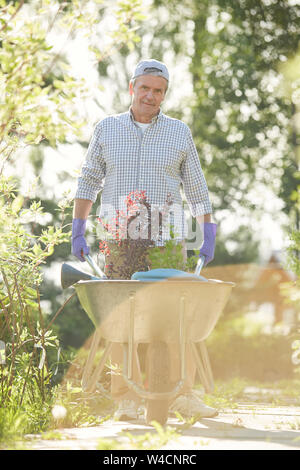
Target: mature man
{"x":145,"y":150}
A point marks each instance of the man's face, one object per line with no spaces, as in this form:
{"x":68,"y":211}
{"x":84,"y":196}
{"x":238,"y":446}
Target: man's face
{"x":147,"y":94}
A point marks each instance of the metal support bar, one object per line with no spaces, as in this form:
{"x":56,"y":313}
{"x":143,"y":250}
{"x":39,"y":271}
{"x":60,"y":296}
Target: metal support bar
{"x":206,"y":363}
{"x":131,"y":335}
{"x":90,"y":384}
{"x":182,"y":337}
{"x":89,"y":363}
{"x":208,"y":387}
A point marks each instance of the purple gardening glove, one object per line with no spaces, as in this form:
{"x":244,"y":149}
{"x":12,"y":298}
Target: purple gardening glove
{"x":79,"y":246}
{"x":208,"y":248}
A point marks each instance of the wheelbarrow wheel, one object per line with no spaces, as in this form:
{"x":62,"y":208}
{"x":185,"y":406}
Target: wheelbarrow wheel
{"x":158,"y":372}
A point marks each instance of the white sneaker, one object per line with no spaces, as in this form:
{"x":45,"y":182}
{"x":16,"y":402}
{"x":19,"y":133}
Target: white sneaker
{"x":127,"y":410}
{"x":189,"y":405}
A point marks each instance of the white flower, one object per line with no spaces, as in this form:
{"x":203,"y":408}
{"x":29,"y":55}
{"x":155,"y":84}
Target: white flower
{"x":59,"y":412}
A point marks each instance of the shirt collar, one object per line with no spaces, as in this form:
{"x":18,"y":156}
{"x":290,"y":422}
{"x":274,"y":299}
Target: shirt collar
{"x":153,"y":120}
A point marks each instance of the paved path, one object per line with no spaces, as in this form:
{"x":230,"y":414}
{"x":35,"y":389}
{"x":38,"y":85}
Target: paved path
{"x":249,"y":427}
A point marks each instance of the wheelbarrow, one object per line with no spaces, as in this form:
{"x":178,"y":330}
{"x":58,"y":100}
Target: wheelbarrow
{"x":181,"y":309}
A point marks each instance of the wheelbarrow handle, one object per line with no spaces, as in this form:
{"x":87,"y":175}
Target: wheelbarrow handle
{"x":200,"y":265}
{"x":94,"y":266}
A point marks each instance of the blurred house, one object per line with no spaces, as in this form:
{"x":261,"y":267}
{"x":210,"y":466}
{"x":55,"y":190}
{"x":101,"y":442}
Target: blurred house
{"x":257,"y":287}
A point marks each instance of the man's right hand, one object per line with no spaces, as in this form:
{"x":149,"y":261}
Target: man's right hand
{"x":79,"y":246}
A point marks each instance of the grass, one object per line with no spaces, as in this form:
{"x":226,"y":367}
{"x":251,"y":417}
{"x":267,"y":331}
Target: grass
{"x":13,"y":424}
{"x":67,"y":407}
{"x":231,"y":394}
{"x":154,"y":439}
{"x":52,"y":436}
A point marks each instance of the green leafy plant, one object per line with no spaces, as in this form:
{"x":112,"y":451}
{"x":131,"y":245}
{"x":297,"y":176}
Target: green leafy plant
{"x":170,"y":257}
{"x":25,"y":373}
{"x":72,"y":408}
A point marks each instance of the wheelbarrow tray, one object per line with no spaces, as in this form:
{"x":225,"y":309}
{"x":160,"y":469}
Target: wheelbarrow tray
{"x":152,"y":311}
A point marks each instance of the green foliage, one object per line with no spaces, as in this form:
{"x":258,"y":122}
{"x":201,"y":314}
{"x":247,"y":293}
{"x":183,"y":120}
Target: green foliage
{"x":25,"y":373}
{"x":241,"y":117}
{"x":291,"y":290}
{"x":293,"y":252}
{"x":71,"y":408}
{"x":237,"y":247}
{"x":33,"y":110}
{"x":291,"y":88}
{"x":170,"y":257}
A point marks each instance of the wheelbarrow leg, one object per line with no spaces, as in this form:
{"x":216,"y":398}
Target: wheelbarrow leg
{"x":93,"y":380}
{"x":203,"y":366}
{"x":89,"y":363}
{"x":89,"y":380}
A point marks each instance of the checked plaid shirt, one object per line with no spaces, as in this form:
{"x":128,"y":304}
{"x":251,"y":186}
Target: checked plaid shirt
{"x":121,"y":159}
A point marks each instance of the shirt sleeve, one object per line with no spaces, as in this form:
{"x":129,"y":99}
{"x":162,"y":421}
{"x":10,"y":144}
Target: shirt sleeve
{"x":194,"y":183}
{"x":93,"y":170}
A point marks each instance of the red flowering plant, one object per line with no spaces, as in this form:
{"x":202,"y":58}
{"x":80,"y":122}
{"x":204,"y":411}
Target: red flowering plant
{"x":130,"y":236}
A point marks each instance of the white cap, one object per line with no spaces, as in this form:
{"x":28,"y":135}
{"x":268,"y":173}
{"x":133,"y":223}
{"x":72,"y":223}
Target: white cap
{"x":151,"y":67}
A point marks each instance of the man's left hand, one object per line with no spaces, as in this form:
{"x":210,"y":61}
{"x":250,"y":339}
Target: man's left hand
{"x":209,"y":236}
